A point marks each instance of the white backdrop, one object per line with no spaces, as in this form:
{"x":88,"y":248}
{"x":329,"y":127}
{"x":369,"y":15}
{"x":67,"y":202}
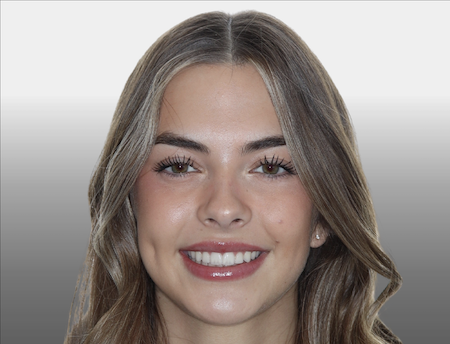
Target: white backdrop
{"x":83,"y":49}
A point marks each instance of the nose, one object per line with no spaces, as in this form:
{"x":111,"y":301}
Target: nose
{"x":224,"y":205}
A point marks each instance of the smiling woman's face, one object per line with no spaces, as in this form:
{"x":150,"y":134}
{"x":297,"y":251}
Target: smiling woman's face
{"x":223,"y":219}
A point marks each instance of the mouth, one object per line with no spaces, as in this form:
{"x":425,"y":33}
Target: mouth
{"x":222,"y":259}
{"x":215,"y":261}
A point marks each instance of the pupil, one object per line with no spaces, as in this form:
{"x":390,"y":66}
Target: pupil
{"x":271,"y":168}
{"x":180,"y":168}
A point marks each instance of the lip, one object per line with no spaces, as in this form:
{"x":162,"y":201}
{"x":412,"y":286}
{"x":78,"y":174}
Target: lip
{"x":222,"y":247}
{"x":225,"y":273}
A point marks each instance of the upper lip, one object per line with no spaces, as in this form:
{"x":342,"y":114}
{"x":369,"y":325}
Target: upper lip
{"x":222,"y":247}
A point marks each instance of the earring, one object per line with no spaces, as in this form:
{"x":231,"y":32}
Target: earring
{"x":317,"y":236}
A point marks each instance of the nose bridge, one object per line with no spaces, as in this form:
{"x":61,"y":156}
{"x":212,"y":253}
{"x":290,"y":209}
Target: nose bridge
{"x":224,"y":204}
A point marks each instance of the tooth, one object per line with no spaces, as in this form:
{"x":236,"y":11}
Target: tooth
{"x":228,"y":258}
{"x":225,"y":259}
{"x":239,"y":258}
{"x":206,"y":258}
{"x":198,"y":257}
{"x":216,"y":259}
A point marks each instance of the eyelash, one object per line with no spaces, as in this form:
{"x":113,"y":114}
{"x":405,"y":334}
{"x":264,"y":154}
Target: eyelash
{"x":277,"y":162}
{"x":178,"y":160}
{"x":172,"y":161}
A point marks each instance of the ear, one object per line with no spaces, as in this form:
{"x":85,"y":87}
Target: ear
{"x":318,"y":237}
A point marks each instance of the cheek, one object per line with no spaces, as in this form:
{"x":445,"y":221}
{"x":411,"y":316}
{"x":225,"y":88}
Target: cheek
{"x":157,"y":204}
{"x":289,"y":213}
{"x":289,"y":226}
{"x":160,"y":205}
{"x":160,"y":216}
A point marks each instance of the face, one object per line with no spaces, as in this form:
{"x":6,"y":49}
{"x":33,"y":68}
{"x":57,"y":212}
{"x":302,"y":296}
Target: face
{"x":224,"y":223}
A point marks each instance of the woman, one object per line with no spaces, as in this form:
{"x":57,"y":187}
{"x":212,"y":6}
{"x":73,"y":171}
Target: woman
{"x":229,"y":204}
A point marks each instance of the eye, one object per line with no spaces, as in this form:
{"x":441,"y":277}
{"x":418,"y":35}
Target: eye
{"x":275,"y":167}
{"x":270,"y":169}
{"x":179,"y":168}
{"x":175,"y":166}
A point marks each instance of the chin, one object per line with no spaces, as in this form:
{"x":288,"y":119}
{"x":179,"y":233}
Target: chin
{"x":224,"y":312}
{"x":229,"y":308}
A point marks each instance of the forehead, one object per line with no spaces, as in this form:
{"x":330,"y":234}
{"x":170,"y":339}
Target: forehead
{"x":219,"y":100}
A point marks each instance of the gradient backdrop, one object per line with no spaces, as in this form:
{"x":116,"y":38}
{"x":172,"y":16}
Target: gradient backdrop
{"x":64,"y":64}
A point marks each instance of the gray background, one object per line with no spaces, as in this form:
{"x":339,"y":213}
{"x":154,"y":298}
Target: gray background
{"x":63,"y":66}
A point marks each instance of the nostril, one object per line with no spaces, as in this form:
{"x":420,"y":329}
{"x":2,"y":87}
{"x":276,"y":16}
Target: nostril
{"x":214,"y":222}
{"x":211,"y":221}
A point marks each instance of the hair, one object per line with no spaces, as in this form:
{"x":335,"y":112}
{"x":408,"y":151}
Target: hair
{"x":115,"y":297}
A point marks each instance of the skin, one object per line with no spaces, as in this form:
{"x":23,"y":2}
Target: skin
{"x":224,"y":196}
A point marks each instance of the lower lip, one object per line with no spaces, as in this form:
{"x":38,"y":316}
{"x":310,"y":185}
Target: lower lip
{"x":225,"y":273}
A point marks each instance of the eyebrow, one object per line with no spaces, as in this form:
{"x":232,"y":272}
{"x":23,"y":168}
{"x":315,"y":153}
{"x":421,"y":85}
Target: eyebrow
{"x":172,"y":139}
{"x":264,"y":143}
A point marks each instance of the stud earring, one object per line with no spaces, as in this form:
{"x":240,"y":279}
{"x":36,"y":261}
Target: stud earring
{"x":317,"y":236}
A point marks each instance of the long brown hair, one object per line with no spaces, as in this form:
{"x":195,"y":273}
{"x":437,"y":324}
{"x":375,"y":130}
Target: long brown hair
{"x":115,"y":298}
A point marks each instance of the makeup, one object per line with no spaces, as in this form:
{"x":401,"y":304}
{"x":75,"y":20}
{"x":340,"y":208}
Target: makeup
{"x":220,"y":261}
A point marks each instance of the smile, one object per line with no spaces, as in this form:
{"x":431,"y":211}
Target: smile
{"x":222,"y":259}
